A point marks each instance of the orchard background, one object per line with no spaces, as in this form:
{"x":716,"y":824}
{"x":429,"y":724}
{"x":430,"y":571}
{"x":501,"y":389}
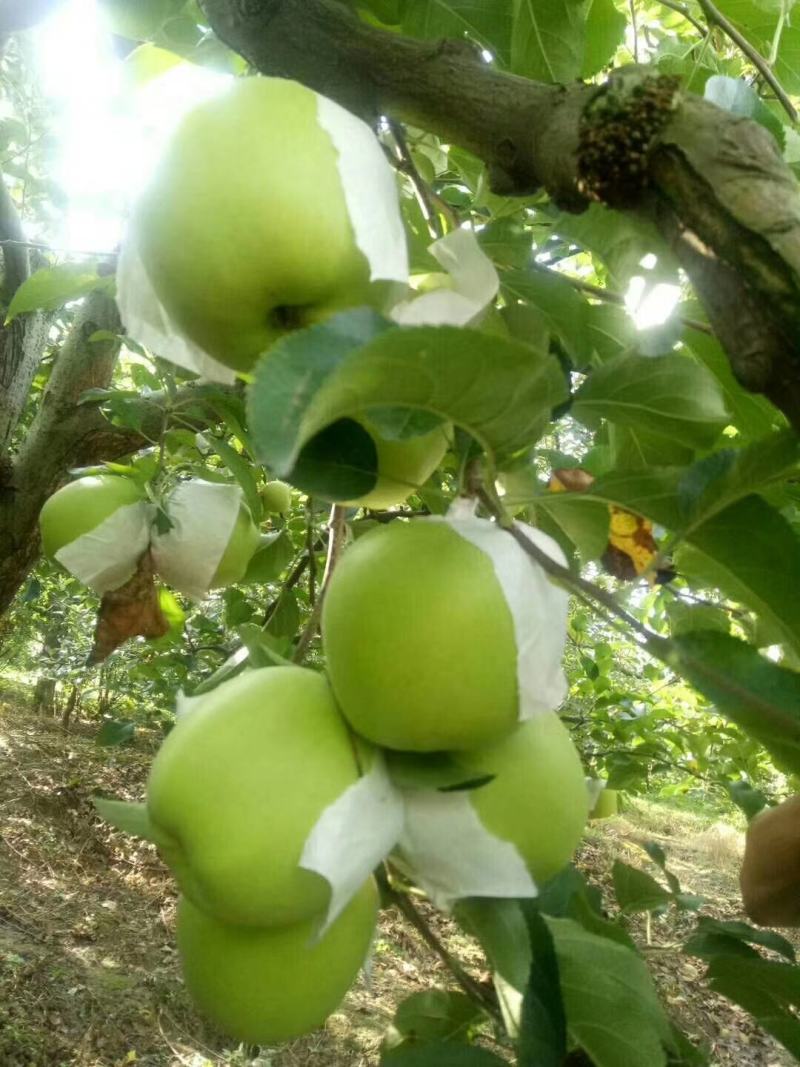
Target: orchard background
{"x":633,"y":390}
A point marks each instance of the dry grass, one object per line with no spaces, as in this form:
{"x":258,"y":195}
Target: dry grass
{"x":88,"y":970}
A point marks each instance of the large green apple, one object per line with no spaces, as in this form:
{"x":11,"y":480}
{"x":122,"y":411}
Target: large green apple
{"x":244,"y":230}
{"x":267,"y":986}
{"x":538,"y":798}
{"x":241,"y":547}
{"x":403,"y":465}
{"x":82,"y":505}
{"x":420,"y":640}
{"x":238,"y":785}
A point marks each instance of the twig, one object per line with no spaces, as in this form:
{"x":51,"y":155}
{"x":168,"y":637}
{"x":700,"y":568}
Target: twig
{"x":433,"y":208}
{"x":407,"y":909}
{"x":312,"y":559}
{"x":632,"y":7}
{"x":336,"y":532}
{"x":610,"y":297}
{"x":682,"y":9}
{"x":713,"y":14}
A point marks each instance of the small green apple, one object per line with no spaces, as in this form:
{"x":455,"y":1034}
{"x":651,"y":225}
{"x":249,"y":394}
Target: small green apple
{"x":82,"y":505}
{"x":241,"y":548}
{"x":538,"y":798}
{"x":267,"y":986}
{"x":403,"y":466}
{"x":238,"y":785}
{"x":276,"y":497}
{"x":244,"y":230}
{"x":420,"y":640}
{"x":606,"y":805}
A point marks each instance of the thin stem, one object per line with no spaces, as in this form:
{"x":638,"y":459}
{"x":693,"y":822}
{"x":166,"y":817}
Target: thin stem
{"x":682,"y":9}
{"x":713,"y":14}
{"x":336,"y":533}
{"x":433,"y":208}
{"x":312,"y":559}
{"x":407,"y":909}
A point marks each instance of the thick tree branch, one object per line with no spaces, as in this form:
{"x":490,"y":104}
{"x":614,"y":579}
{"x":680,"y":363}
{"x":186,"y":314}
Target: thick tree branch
{"x":713,"y":183}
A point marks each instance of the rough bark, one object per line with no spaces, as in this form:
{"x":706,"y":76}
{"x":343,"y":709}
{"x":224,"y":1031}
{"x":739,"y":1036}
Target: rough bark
{"x":713,"y":183}
{"x":60,"y":430}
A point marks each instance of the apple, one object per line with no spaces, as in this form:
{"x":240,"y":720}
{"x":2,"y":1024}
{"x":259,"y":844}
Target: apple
{"x":80,"y":506}
{"x":245,"y":231}
{"x":606,"y":805}
{"x":276,"y":497}
{"x":770,"y":875}
{"x":264,"y":986}
{"x":244,"y":540}
{"x":238,"y":785}
{"x":421,"y":640}
{"x":537,"y":800}
{"x":403,"y":465}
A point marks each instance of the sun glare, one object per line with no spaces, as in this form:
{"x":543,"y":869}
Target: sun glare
{"x":109,"y":125}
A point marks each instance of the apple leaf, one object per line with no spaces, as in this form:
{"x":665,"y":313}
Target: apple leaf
{"x":131,"y":818}
{"x":753,"y":692}
{"x":613,"y":1011}
{"x":309,"y":387}
{"x":52,"y":287}
{"x":435,"y":770}
{"x":547,"y":39}
{"x":718,"y":937}
{"x":564,"y":310}
{"x":636,"y":890}
{"x":769,"y":991}
{"x":543,"y":1027}
{"x":435,"y":1015}
{"x":670,"y":396}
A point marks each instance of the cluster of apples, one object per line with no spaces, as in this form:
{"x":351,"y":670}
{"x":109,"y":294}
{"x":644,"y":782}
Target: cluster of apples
{"x":99,"y":525}
{"x":440,"y":636}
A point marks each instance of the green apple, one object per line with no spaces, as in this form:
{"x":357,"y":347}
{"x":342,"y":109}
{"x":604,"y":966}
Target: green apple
{"x":538,"y":798}
{"x":241,"y":547}
{"x":267,"y":986}
{"x":244,"y":230}
{"x":420,"y":640}
{"x":276,"y":497}
{"x":403,"y":465}
{"x":607,"y":804}
{"x":82,"y":505}
{"x":238,"y":785}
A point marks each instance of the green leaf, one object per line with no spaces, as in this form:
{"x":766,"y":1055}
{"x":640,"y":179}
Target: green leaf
{"x":436,"y":1015}
{"x":547,"y":39}
{"x":285,"y":619}
{"x":485,"y":21}
{"x":264,"y":650}
{"x":315,"y":380}
{"x":585,"y":522}
{"x":131,"y":818}
{"x":669,"y":396}
{"x":114,"y":732}
{"x":543,"y":1029}
{"x":759,"y":23}
{"x":749,"y":800}
{"x":756,"y":694}
{"x":564,"y":310}
{"x":752,"y":554}
{"x":613,"y":1011}
{"x":447,"y":1054}
{"x":52,"y":287}
{"x":736,"y":96}
{"x":500,"y":927}
{"x":684,"y":617}
{"x":605,"y":32}
{"x":434,"y":770}
{"x":271,"y":559}
{"x":242,"y":470}
{"x":637,"y":890}
{"x":716,"y":937}
{"x":769,"y":991}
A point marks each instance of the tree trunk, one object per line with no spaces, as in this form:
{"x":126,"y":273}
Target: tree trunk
{"x":72,"y":703}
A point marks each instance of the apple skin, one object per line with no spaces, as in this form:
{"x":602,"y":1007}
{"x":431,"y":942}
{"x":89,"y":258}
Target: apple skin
{"x":238,"y":785}
{"x":267,"y":986}
{"x":420,"y":641}
{"x":770,"y":874}
{"x":538,"y":798}
{"x":276,"y":497}
{"x":244,"y":230}
{"x":244,"y":540}
{"x":82,"y":505}
{"x":403,"y":465}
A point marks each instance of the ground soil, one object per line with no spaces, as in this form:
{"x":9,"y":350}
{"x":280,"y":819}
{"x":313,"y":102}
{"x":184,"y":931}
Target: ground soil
{"x":88,"y":970}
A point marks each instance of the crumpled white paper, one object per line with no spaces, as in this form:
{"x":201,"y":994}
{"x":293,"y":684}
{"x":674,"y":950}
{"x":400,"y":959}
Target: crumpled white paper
{"x":538,"y":607}
{"x":474,"y":285}
{"x":370,"y":192}
{"x":107,"y":556}
{"x":145,"y":320}
{"x":594,"y":787}
{"x":353,"y":835}
{"x":453,"y":855}
{"x":203,"y":515}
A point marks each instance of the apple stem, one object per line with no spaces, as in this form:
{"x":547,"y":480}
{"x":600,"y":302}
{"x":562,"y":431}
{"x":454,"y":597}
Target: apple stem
{"x":336,"y":534}
{"x":482,"y":996}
